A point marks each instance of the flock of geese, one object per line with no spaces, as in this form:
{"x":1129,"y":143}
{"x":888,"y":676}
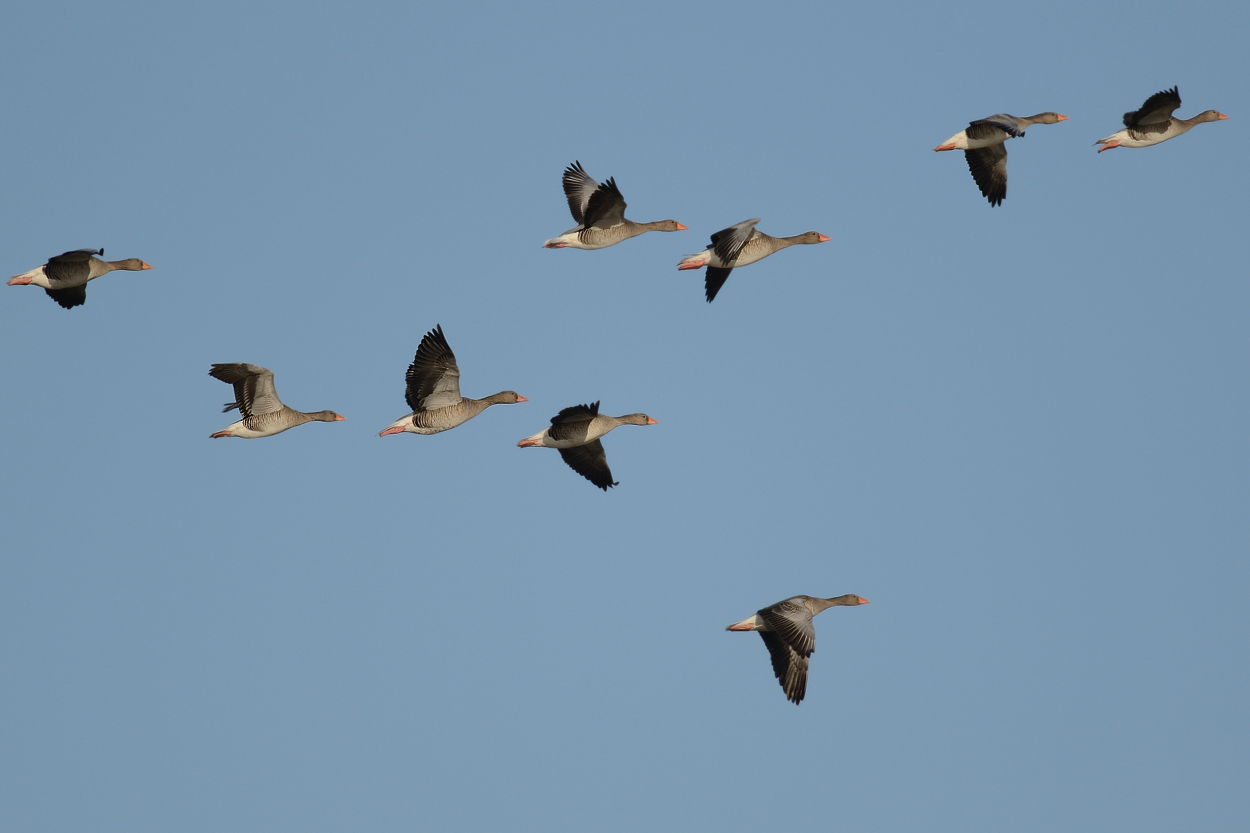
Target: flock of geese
{"x":433,"y":378}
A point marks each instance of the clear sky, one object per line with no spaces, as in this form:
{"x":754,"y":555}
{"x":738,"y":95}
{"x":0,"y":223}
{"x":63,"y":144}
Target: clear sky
{"x":1020,"y":431}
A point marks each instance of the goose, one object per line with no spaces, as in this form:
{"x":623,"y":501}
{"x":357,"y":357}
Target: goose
{"x":263,"y":412}
{"x":599,"y":210}
{"x":983,"y":144}
{"x":786,"y":628}
{"x":65,"y":276}
{"x":433,"y":391}
{"x":739,"y":245}
{"x":1154,"y":123}
{"x":575,"y":432}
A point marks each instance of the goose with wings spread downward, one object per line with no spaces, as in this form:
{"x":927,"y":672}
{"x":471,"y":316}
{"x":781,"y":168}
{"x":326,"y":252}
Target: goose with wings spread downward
{"x":599,"y":210}
{"x":65,"y":276}
{"x":786,"y":628}
{"x":575,"y":432}
{"x":739,"y":245}
{"x":433,"y":391}
{"x":984,"y":145}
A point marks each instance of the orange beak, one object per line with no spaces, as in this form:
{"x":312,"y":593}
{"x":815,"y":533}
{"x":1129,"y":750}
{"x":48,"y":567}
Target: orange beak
{"x":862,"y":600}
{"x":520,"y":398}
{"x":680,"y":227}
{"x":1222,"y":117}
{"x":148,"y":266}
{"x":340,"y":418}
{"x":1062,"y":118}
{"x":651,"y":421}
{"x":824,"y":238}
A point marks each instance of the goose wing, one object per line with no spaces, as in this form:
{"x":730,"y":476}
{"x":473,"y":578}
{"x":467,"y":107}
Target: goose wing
{"x":433,"y":378}
{"x":789,"y":666}
{"x":578,"y":186}
{"x":987,"y":128}
{"x":254,"y":393}
{"x":75,"y":296}
{"x":591,"y":462}
{"x":713,"y":280}
{"x":573,"y":423}
{"x":71,"y":267}
{"x":791,"y":640}
{"x":1157,"y":110}
{"x":606,"y":207}
{"x":728,"y":243}
{"x":988,"y":166}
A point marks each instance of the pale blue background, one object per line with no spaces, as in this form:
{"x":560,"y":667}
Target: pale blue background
{"x":1021,"y":432}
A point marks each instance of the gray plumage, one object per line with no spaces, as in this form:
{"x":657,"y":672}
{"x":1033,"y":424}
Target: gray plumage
{"x":575,"y":433}
{"x":432,"y":390}
{"x":599,"y":211}
{"x":788,"y":633}
{"x":256,"y":398}
{"x":740,"y":245}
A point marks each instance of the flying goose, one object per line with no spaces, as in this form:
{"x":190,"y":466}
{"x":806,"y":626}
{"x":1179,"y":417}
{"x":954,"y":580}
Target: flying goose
{"x":65,"y":276}
{"x":576,"y":431}
{"x":263,"y":412}
{"x":739,"y":245}
{"x":599,"y":211}
{"x":1154,"y":123}
{"x":983,"y":144}
{"x":786,"y":628}
{"x":433,"y":391}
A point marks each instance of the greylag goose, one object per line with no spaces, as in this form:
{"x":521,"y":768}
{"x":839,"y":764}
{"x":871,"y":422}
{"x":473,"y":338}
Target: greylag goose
{"x":983,"y":144}
{"x":65,"y":276}
{"x":738,"y":246}
{"x":575,"y":432}
{"x":599,"y":210}
{"x":433,"y":391}
{"x":263,"y":412}
{"x":1154,"y":123}
{"x":786,"y":628}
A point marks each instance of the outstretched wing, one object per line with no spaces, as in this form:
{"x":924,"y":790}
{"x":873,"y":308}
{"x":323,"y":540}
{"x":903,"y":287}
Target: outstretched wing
{"x":433,"y":378}
{"x":988,"y":166}
{"x":1157,"y":110}
{"x":789,"y":666}
{"x":591,"y":462}
{"x":606,"y":207}
{"x":75,"y":296}
{"x":578,"y":186}
{"x":254,"y":393}
{"x":714,"y":280}
{"x":728,"y":243}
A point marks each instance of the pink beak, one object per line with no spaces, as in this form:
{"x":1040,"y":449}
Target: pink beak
{"x":824,"y":238}
{"x":520,"y":398}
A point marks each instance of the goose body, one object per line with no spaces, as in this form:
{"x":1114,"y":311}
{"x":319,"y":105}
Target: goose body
{"x":575,"y":432}
{"x":433,"y":391}
{"x":787,"y":631}
{"x":984,"y":145}
{"x":1153,"y":123}
{"x":257,"y":400}
{"x":739,"y":245}
{"x":65,"y":276}
{"x":599,"y":210}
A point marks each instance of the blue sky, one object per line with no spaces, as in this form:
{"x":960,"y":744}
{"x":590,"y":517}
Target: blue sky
{"x":1019,"y":431}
